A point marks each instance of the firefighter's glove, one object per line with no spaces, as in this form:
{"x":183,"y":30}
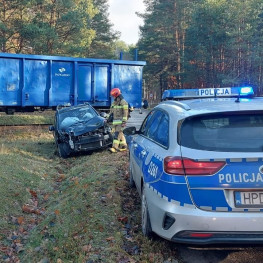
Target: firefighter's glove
{"x":110,"y":118}
{"x":123,"y":124}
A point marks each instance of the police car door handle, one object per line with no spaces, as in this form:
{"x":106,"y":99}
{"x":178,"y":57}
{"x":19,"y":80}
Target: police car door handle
{"x":143,"y":153}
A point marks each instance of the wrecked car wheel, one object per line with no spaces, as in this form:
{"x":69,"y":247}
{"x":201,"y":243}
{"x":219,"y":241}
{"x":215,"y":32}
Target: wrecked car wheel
{"x":63,"y":150}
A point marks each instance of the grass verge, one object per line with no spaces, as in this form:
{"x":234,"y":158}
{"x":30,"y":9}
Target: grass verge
{"x":75,"y":210}
{"x":27,"y":118}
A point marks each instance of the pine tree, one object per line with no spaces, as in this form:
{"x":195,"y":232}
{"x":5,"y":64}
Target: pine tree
{"x":102,"y":45}
{"x":202,"y":43}
{"x":13,"y":15}
{"x":162,"y":42}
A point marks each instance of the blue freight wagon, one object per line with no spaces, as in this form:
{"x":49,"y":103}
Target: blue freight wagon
{"x":29,"y":82}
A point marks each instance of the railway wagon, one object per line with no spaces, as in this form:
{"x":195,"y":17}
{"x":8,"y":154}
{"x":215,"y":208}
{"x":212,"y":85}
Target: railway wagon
{"x":30,"y":82}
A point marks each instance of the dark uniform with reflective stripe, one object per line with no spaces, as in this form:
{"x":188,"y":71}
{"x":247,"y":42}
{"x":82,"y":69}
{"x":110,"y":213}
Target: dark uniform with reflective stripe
{"x":119,"y":109}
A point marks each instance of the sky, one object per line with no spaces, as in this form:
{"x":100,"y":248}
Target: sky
{"x":124,"y":19}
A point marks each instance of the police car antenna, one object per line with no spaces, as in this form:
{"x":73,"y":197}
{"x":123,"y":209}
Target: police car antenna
{"x":238,"y":98}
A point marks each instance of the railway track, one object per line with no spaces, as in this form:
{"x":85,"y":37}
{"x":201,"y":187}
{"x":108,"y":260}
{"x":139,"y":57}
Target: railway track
{"x":23,"y":128}
{"x":32,"y":120}
{"x":26,"y":125}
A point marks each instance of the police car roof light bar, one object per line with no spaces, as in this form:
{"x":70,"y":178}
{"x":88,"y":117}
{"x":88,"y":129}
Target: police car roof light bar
{"x":246,"y":91}
{"x":174,"y":94}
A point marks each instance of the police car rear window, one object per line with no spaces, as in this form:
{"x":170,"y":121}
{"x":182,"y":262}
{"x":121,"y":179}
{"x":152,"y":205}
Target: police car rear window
{"x":223,"y":133}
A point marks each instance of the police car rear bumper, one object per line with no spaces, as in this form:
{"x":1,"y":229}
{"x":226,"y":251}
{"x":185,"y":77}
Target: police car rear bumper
{"x":218,"y":237}
{"x":195,"y":226}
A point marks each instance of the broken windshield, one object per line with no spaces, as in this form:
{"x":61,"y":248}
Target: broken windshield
{"x":75,"y":116}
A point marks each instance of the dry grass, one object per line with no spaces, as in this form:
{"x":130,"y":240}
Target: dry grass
{"x":75,"y":210}
{"x":27,"y":118}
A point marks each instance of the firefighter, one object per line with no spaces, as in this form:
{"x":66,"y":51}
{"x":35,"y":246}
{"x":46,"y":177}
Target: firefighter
{"x":119,"y":112}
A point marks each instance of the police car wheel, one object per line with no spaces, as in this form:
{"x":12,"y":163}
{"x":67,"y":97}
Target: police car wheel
{"x":146,"y":223}
{"x":63,"y":150}
{"x":131,"y":181}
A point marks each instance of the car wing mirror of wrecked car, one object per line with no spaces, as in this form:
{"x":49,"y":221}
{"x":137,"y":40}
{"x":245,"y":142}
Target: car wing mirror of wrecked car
{"x":51,"y":128}
{"x":130,"y":131}
{"x":103,"y":114}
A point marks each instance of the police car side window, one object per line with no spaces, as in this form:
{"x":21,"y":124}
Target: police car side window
{"x":153,"y":127}
{"x":156,"y":127}
{"x":162,"y":134}
{"x":147,"y":121}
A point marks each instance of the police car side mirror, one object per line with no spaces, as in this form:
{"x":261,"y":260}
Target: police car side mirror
{"x":130,"y":131}
{"x":51,"y":128}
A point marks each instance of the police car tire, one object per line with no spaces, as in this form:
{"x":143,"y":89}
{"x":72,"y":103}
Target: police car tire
{"x":63,"y":150}
{"x":131,"y":181}
{"x":146,"y":222}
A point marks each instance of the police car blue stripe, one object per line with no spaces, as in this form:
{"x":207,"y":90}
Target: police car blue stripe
{"x":254,"y":210}
{"x":158,"y":157}
{"x":165,"y":197}
{"x":173,"y":178}
{"x":236,"y":160}
{"x":222,"y":209}
{"x":252,"y":159}
{"x":148,"y":158}
{"x":232,"y":160}
{"x":207,"y":208}
{"x":167,"y":191}
{"x":238,"y":209}
{"x":216,"y":198}
{"x":189,"y":206}
{"x":220,"y":160}
{"x":175,"y":202}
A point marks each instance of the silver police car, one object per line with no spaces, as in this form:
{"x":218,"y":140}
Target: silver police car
{"x":198,"y":166}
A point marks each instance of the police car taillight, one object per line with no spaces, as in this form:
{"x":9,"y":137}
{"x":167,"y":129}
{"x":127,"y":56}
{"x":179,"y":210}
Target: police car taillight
{"x":196,"y":235}
{"x":201,"y":235}
{"x":184,"y":166}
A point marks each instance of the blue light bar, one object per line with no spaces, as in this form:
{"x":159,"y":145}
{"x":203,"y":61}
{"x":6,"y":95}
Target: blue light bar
{"x":246,"y":92}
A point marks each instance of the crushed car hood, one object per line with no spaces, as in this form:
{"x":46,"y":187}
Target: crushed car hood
{"x":85,"y":126}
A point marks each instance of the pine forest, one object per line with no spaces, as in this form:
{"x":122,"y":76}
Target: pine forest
{"x":186,"y":43}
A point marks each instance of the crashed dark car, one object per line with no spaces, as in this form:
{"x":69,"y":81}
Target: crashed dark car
{"x":80,"y":128}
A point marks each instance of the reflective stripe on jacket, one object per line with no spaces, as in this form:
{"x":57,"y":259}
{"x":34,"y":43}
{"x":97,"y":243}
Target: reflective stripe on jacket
{"x":119,"y":108}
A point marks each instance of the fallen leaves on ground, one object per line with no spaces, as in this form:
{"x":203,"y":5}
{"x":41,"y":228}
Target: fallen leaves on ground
{"x":123,"y":219}
{"x":31,"y":209}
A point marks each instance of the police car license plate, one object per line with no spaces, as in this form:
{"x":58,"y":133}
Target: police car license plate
{"x":247,"y":199}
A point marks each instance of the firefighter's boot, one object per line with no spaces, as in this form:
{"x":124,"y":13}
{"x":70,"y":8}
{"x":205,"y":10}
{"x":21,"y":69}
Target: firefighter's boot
{"x":123,"y":147}
{"x":112,"y":150}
